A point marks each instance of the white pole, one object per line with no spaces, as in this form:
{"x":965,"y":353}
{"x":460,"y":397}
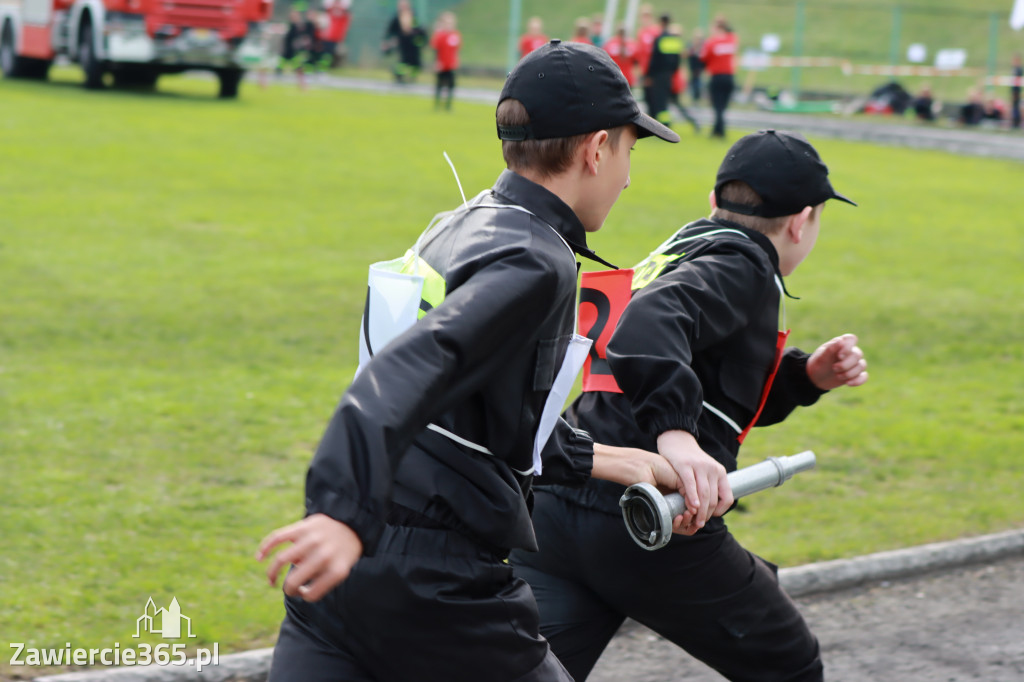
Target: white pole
{"x":1017,"y":15}
{"x":631,"y":10}
{"x":611,"y":8}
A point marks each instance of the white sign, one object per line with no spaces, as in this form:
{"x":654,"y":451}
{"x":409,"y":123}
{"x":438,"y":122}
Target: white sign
{"x":755,"y":60}
{"x":950,"y":58}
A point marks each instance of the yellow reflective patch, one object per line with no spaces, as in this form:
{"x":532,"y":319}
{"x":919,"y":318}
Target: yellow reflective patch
{"x":434,"y":286}
{"x":648,"y":269}
{"x":670,"y":45}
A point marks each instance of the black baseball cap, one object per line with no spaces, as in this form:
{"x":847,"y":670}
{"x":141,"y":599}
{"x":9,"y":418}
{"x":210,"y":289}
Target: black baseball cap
{"x":571,"y":89}
{"x":782,"y":167}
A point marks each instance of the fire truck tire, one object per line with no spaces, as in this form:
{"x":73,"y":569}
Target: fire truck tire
{"x":14,"y":66}
{"x":229,"y":81}
{"x":136,"y":78}
{"x":87,"y":57}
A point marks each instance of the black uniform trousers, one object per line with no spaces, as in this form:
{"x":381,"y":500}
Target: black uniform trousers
{"x":720,"y":89}
{"x":705,"y":593}
{"x":660,"y":92}
{"x":429,"y":605}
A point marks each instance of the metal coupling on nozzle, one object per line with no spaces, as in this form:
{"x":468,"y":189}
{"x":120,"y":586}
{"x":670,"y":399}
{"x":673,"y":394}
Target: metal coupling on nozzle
{"x":648,"y":514}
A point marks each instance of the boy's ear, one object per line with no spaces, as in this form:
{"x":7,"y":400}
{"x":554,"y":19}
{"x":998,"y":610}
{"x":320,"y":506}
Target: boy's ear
{"x":593,"y":149}
{"x":795,"y":226}
{"x":712,"y":200}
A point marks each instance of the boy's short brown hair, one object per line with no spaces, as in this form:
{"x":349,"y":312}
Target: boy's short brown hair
{"x":544,"y":157}
{"x":739,"y":192}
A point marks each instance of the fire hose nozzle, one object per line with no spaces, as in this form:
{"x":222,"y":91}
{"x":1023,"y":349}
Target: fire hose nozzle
{"x":648,"y":514}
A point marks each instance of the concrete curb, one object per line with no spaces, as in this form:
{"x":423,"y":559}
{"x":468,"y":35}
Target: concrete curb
{"x":901,"y":563}
{"x":253,"y":666}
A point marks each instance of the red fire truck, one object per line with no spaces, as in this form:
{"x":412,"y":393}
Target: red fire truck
{"x":135,"y":41}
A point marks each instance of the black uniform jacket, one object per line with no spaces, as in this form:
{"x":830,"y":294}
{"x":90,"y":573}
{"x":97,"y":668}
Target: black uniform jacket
{"x":703,"y":331}
{"x":479,"y":365}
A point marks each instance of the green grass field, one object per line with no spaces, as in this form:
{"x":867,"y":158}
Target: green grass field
{"x":182,"y":278}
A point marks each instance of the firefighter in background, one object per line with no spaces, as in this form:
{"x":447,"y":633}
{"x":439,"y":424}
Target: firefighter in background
{"x":623,"y":52}
{"x":446,"y":43}
{"x":533,"y":38}
{"x":298,"y":50}
{"x":666,"y":57}
{"x":719,"y":57}
{"x":405,"y":36}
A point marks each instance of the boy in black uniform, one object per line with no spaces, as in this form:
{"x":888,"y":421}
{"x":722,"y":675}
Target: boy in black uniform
{"x":420,"y":485}
{"x":698,"y":354}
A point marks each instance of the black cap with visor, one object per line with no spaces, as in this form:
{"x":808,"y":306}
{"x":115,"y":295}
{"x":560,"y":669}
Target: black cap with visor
{"x":572,"y":89}
{"x":783,"y":168}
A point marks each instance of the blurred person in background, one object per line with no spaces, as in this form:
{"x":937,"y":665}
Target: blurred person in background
{"x":581,"y":32}
{"x":924,"y":104}
{"x":973,"y":112}
{"x":666,"y":57}
{"x":623,"y":52}
{"x":533,"y":38}
{"x":298,"y":50}
{"x":646,"y":34}
{"x":719,"y":58}
{"x":596,"y":30}
{"x":405,"y":36}
{"x":1018,"y":75}
{"x":338,"y":15}
{"x":693,"y":51}
{"x":446,"y":42}
{"x":679,"y":85}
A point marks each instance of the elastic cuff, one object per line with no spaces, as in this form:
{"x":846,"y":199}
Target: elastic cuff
{"x":672,"y":422}
{"x":366,"y":524}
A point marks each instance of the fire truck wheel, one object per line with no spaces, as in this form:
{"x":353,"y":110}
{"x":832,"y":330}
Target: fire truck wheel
{"x":87,"y":57}
{"x":14,"y":66}
{"x":229,"y":80}
{"x":136,"y":78}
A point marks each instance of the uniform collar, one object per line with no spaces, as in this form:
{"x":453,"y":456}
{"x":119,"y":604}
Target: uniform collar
{"x":548,"y":207}
{"x":761,"y":240}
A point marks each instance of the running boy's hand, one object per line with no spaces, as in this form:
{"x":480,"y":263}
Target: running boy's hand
{"x":323,"y":551}
{"x":836,"y":363}
{"x":704,"y":483}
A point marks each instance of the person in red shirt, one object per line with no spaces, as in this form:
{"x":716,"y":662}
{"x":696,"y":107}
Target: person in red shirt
{"x":646,"y":35}
{"x":719,"y":57}
{"x":623,"y":52}
{"x":446,"y":42}
{"x":533,"y":38}
{"x":581,"y":32}
{"x":333,"y":31}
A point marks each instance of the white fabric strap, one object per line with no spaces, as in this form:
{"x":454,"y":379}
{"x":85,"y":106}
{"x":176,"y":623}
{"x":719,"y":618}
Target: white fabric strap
{"x":470,"y":444}
{"x":723,"y":416}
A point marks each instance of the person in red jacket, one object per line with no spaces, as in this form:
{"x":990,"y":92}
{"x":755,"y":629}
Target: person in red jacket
{"x":332,"y":34}
{"x":446,"y":42}
{"x":623,"y":52}
{"x":581,"y":32}
{"x":533,"y":38}
{"x":719,"y":57}
{"x":645,"y":36}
